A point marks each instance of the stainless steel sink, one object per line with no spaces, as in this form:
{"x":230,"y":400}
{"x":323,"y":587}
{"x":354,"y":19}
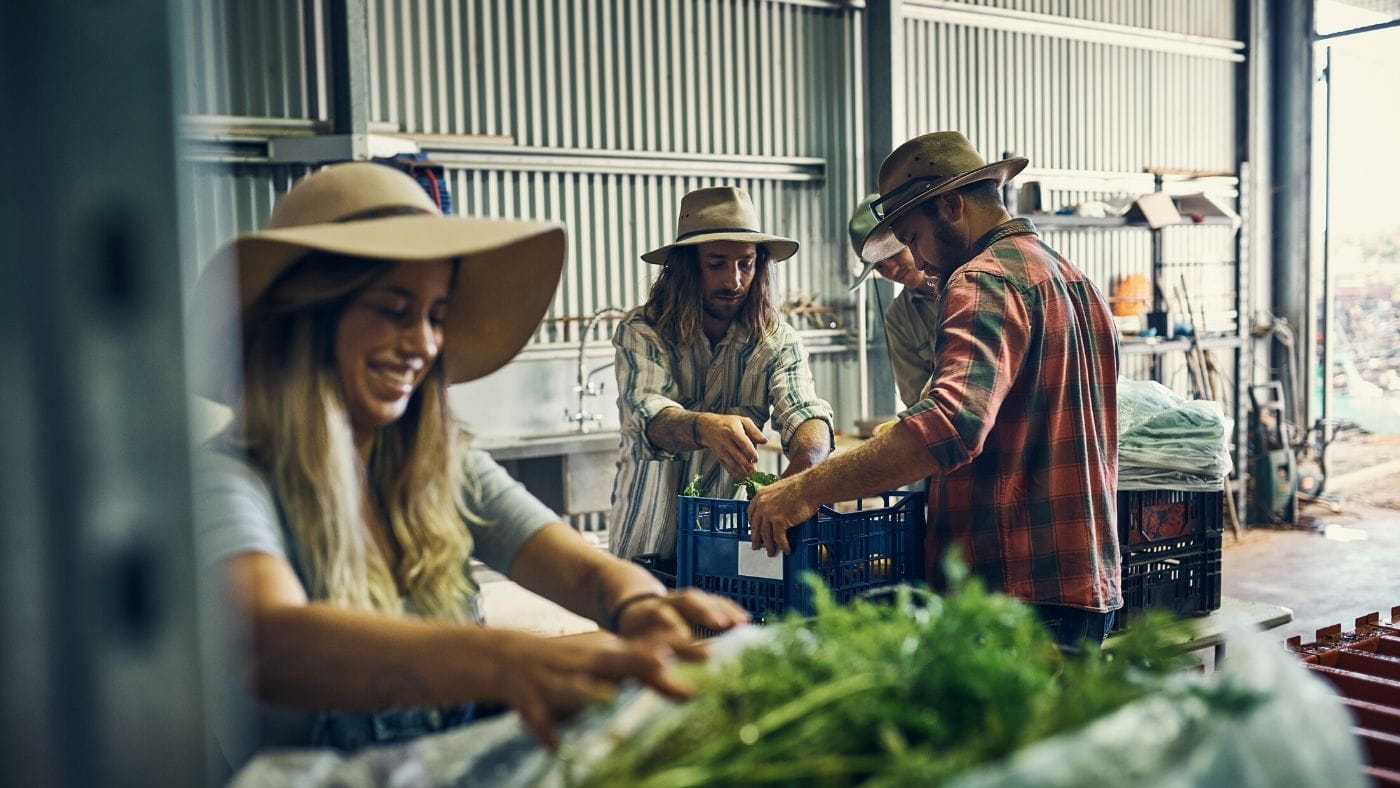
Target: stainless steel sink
{"x":571,"y":472}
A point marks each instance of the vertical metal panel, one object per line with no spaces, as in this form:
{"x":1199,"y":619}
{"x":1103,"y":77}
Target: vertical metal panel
{"x":697,"y":76}
{"x":1079,"y":104}
{"x":1071,"y":104}
{"x":721,"y":77}
{"x":1191,"y":17}
{"x":228,"y":199}
{"x":251,"y":59}
{"x":728,"y":78}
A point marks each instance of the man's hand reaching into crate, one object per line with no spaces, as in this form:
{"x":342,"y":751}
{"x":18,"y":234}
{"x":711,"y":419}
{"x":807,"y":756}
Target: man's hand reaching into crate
{"x":892,"y":458}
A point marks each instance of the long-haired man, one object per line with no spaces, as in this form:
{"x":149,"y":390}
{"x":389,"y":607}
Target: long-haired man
{"x":701,"y":366}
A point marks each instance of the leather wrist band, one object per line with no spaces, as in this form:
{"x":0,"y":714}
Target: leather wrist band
{"x":620,"y":607}
{"x":695,"y":430}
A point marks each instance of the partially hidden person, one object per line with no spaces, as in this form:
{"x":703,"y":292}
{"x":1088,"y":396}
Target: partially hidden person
{"x":911,"y":319}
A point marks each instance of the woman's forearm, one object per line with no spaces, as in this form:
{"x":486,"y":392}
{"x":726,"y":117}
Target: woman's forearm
{"x":559,"y":565}
{"x":320,"y":656}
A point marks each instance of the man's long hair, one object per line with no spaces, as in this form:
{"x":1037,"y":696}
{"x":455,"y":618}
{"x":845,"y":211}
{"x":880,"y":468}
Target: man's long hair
{"x":676,"y":303}
{"x":294,"y":425}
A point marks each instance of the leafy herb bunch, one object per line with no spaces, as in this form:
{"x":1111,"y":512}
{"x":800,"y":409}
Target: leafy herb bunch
{"x":911,"y":693}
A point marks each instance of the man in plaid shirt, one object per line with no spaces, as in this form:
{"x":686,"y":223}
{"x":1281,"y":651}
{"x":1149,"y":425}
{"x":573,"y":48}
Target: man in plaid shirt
{"x":1018,"y":426}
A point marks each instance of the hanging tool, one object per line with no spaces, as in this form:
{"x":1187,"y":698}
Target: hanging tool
{"x":1200,"y":369}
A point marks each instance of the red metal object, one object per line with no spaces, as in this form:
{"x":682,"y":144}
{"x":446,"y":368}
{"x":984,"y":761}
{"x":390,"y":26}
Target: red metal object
{"x":1364,"y":666}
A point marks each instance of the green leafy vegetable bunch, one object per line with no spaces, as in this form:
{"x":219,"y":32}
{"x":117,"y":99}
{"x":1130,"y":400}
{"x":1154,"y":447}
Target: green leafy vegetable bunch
{"x":910,"y":693}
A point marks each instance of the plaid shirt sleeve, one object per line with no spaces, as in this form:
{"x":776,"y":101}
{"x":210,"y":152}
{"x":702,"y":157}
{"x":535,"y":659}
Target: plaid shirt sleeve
{"x":794,"y":396}
{"x":981,"y":346}
{"x":645,"y":383}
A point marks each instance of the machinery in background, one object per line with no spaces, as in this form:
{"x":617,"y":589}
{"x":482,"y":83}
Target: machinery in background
{"x":1274,"y":477}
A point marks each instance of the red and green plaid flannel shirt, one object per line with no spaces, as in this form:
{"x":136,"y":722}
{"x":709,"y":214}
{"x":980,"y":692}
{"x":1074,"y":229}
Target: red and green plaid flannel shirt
{"x":1022,"y":418}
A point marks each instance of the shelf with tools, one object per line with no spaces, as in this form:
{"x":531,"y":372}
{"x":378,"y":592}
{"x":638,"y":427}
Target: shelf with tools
{"x":1136,"y":347}
{"x":1181,"y":244}
{"x":1059,"y":221}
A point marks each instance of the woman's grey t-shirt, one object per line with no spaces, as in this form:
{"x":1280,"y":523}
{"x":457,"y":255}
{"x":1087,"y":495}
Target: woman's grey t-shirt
{"x":239,"y":514}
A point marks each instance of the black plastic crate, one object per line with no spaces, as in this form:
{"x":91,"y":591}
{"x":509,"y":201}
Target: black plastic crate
{"x":1170,"y":541}
{"x":1186,"y":583}
{"x":1153,"y":518}
{"x":852,"y":552}
{"x":663,"y":569}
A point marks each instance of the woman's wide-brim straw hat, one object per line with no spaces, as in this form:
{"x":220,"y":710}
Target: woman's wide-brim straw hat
{"x":921,"y":169}
{"x":506,"y":278}
{"x":721,"y":213}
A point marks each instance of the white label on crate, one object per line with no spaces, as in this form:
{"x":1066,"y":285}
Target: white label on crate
{"x":756,"y":563}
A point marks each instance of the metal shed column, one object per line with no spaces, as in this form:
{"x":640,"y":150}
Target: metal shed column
{"x":885,"y":92}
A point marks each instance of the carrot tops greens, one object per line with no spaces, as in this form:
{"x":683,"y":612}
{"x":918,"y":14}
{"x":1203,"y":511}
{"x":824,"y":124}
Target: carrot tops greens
{"x":756,"y":481}
{"x":912,"y":693}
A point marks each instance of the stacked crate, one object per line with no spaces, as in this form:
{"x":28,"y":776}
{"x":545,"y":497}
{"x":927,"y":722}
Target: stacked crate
{"x":1170,"y":541}
{"x":1364,"y":667}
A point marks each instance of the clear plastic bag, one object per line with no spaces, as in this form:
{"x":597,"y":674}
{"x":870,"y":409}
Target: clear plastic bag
{"x":1165,"y":438}
{"x":1300,"y":735}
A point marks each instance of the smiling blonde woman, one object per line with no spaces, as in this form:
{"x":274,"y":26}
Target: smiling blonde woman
{"x":342,"y":507}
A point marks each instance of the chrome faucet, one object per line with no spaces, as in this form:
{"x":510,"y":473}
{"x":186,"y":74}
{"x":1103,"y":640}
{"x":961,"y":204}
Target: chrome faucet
{"x":585,"y":386}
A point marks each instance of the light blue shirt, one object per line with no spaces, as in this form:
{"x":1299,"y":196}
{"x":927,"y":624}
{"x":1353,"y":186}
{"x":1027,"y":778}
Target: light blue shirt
{"x":238,"y":514}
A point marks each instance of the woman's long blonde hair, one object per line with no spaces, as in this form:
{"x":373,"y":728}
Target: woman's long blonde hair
{"x":295,"y":427}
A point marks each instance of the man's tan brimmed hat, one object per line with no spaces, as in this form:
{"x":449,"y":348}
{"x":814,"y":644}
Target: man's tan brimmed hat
{"x":923,"y":168}
{"x":721,"y":213}
{"x":505,"y":281}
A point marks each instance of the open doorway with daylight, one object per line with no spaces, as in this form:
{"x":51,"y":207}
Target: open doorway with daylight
{"x":1356,"y":271}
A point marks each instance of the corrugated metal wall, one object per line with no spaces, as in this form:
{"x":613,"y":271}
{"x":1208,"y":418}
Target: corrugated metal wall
{"x":1210,"y":18}
{"x":1070,"y":104}
{"x":602,"y":114}
{"x":730,"y":82}
{"x":253,"y":59}
{"x":1128,"y":85}
{"x":724,"y":87}
{"x":732,"y":77}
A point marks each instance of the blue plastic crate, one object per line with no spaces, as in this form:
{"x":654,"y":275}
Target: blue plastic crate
{"x":851,"y":552}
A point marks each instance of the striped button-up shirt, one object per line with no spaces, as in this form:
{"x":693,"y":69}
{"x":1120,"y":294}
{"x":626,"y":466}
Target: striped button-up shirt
{"x":743,"y":375}
{"x":1022,"y":419}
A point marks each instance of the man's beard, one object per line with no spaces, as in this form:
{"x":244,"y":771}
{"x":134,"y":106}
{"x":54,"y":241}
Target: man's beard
{"x":722,"y":310}
{"x":952,"y":252}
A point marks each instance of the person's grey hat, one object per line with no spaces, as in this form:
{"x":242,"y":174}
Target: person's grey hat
{"x":862,"y":222}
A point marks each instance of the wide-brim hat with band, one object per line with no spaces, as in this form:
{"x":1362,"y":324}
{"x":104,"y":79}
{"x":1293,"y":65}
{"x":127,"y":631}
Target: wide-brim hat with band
{"x":921,"y":169}
{"x":721,"y":213}
{"x":505,"y":281}
{"x":862,"y":222}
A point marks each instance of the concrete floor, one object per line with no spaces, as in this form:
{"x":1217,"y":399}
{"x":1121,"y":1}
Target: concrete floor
{"x":1349,"y":567}
{"x":1348,"y":563}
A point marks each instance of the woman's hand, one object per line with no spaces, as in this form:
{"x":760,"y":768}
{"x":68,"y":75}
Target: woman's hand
{"x":546,"y":680}
{"x":670,"y":619}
